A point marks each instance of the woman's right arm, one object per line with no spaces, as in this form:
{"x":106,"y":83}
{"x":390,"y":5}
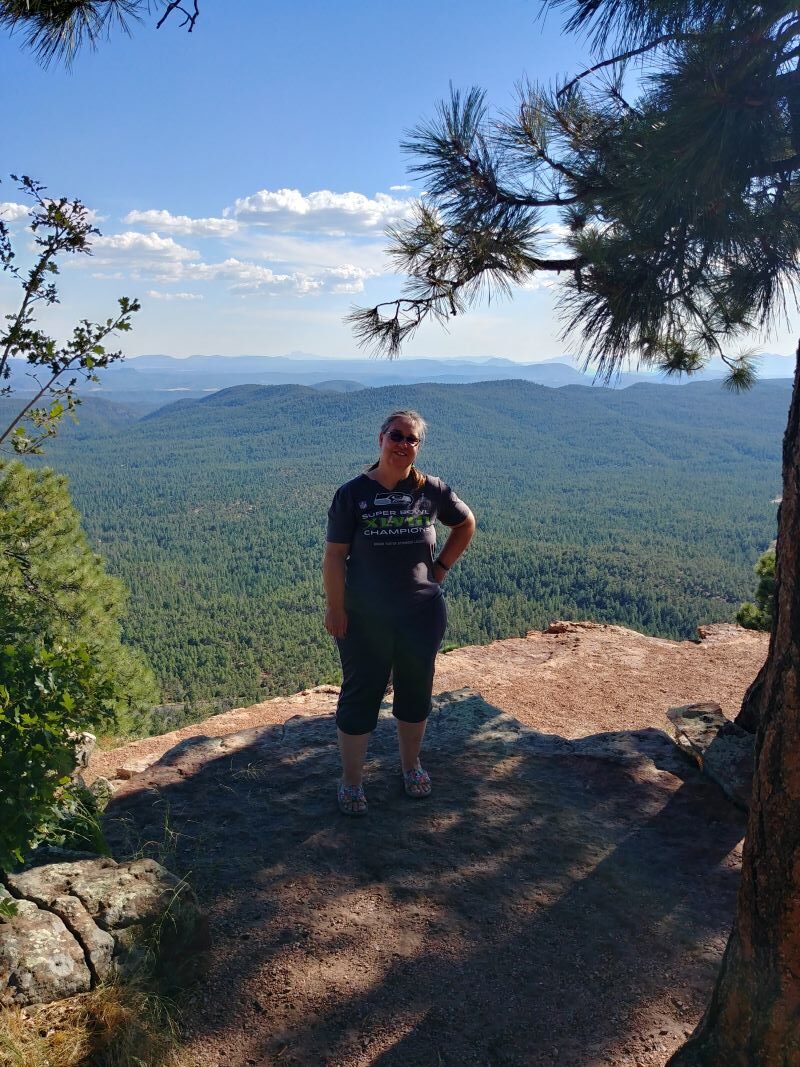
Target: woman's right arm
{"x":333,"y":567}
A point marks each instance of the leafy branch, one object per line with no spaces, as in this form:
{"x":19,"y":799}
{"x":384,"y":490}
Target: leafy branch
{"x":59,"y":227}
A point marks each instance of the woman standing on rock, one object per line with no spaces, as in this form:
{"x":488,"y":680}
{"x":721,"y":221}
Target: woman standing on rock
{"x":384,"y":602}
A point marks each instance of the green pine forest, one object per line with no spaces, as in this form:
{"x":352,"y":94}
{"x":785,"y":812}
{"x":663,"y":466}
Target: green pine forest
{"x":647,"y":506}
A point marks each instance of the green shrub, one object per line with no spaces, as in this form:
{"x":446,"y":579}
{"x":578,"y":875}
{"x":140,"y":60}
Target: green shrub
{"x":758,"y":616}
{"x":63,"y":668}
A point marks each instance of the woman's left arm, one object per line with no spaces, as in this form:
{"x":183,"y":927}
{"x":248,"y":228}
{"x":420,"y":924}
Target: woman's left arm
{"x":456,"y":543}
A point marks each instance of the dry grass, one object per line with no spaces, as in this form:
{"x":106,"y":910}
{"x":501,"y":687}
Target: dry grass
{"x":116,"y":1025}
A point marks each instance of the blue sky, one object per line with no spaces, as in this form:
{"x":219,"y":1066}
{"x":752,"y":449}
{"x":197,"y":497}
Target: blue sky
{"x":243,"y":175}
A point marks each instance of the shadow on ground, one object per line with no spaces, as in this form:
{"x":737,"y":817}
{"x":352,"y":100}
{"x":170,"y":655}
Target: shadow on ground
{"x":551,"y":902}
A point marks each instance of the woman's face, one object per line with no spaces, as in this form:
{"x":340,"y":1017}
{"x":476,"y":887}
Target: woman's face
{"x":400,"y":453}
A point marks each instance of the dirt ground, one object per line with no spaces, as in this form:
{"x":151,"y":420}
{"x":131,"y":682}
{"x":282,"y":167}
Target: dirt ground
{"x":553,"y":902}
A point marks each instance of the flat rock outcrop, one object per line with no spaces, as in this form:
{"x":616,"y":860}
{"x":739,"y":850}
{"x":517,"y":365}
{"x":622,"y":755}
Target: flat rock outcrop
{"x":576,"y":679}
{"x":563,"y":897}
{"x":557,"y":900}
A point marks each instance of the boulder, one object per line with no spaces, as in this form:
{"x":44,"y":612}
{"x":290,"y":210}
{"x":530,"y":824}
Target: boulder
{"x":40,"y":960}
{"x":98,"y":945}
{"x":102,"y":790}
{"x":89,"y":918}
{"x":133,"y":766}
{"x":720,"y":633}
{"x":721,"y":749}
{"x":84,"y":745}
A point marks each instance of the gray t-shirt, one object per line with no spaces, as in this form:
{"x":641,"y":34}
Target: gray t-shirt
{"x":392,"y":541}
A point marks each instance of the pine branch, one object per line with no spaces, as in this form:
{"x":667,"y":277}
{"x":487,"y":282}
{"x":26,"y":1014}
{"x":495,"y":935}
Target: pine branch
{"x":665,"y":38}
{"x":777,"y":167}
{"x":681,"y":202}
{"x":386,"y":333}
{"x":189,"y":17}
{"x":56,"y":30}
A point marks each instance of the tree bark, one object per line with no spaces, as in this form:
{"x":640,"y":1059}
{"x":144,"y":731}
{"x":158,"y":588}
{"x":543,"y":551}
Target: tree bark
{"x":749,"y":713}
{"x":754,"y":1016}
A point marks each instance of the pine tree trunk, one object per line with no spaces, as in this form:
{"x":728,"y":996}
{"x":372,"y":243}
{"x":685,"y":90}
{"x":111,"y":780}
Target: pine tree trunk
{"x":754,"y":1016}
{"x":750,"y":712}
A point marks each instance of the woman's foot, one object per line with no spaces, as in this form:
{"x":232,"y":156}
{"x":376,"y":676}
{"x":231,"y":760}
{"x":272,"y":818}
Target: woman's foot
{"x":351,"y":799}
{"x":417,"y":783}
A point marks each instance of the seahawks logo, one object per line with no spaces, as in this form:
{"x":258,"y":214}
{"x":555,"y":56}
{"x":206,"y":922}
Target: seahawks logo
{"x":387,"y":499}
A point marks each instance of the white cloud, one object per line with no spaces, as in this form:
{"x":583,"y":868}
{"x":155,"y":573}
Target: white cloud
{"x":248,"y":278}
{"x":557,"y":230}
{"x":154,"y":294}
{"x":10,"y":212}
{"x":162,"y":260}
{"x":151,"y":245}
{"x":399,"y":188}
{"x":141,"y":255}
{"x":554,"y":246}
{"x":296,"y":251}
{"x":182,"y":224}
{"x":320,"y":212}
{"x":542,"y":279}
{"x":346,"y":279}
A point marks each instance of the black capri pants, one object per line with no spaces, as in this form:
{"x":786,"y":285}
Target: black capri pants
{"x":377,"y":645}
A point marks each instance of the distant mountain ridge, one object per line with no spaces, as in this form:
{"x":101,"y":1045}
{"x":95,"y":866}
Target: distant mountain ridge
{"x":156,"y":379}
{"x":645,"y":506}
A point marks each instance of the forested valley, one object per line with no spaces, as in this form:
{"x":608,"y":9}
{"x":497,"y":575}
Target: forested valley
{"x":647,"y":506}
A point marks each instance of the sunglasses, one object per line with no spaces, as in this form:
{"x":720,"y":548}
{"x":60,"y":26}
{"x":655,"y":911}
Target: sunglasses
{"x":397,"y":437}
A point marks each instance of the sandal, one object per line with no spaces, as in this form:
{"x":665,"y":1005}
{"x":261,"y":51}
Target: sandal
{"x":417,"y":783}
{"x":352,"y":799}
